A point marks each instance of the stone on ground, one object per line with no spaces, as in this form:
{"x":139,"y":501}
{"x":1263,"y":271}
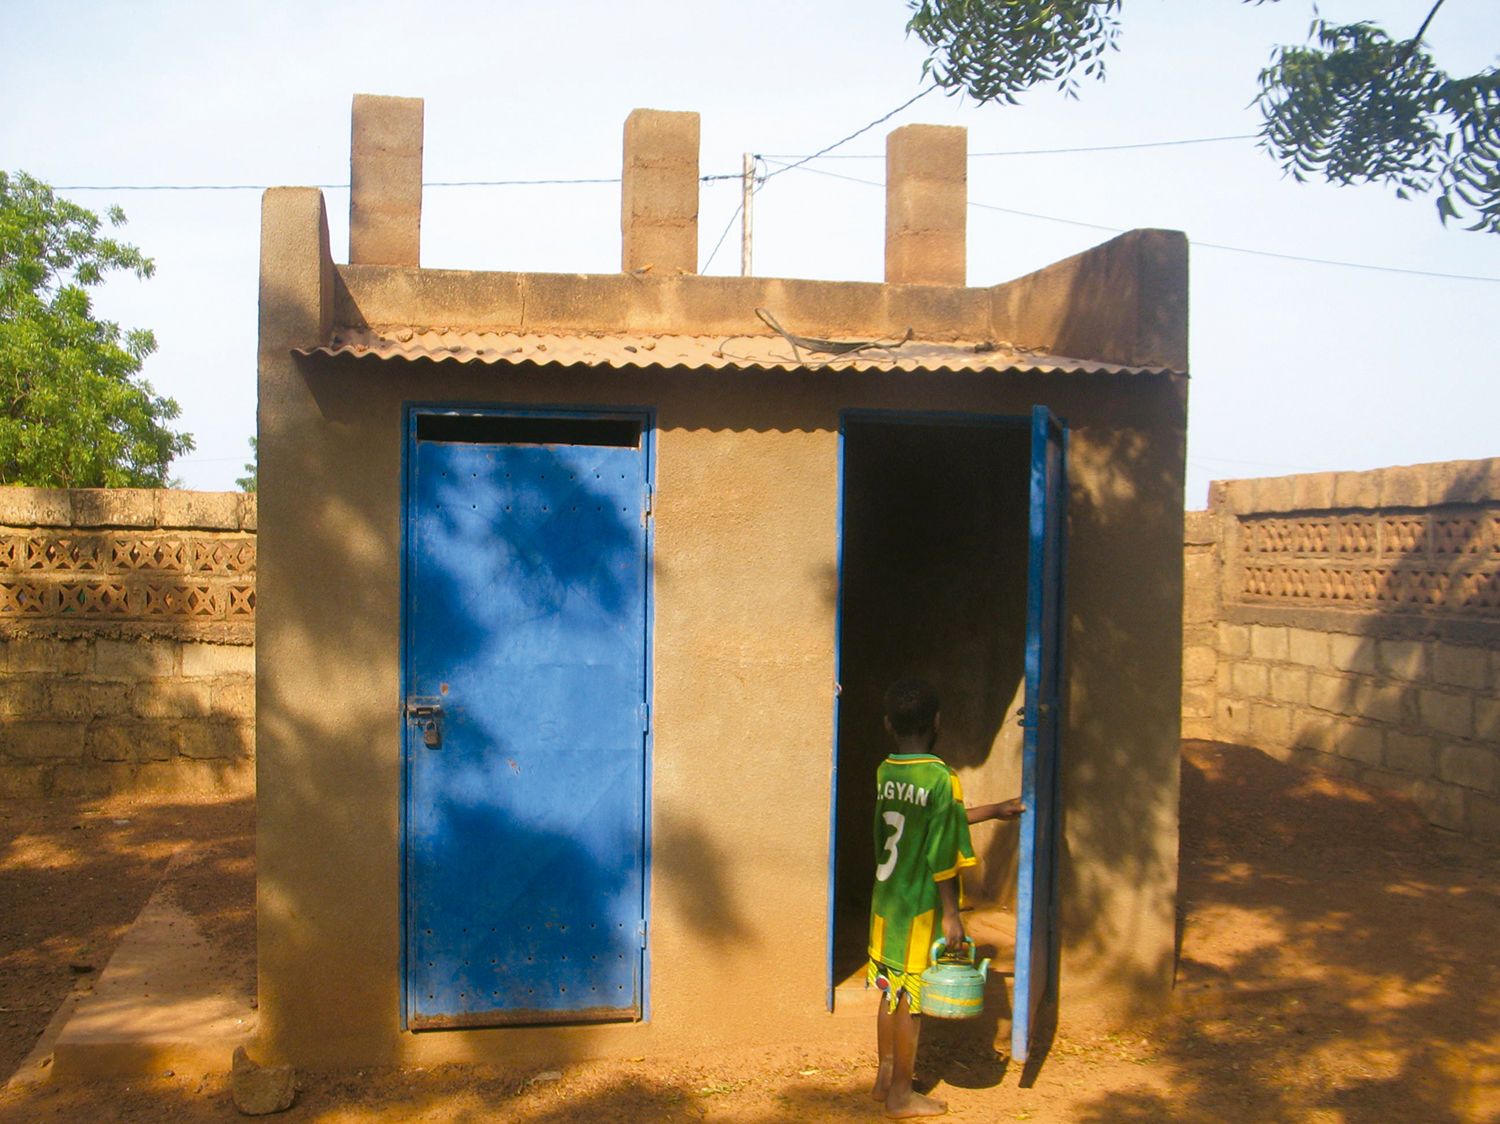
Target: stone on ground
{"x":259,"y":1089}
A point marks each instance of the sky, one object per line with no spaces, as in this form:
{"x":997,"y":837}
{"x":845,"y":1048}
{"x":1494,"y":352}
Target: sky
{"x":1296,"y":366}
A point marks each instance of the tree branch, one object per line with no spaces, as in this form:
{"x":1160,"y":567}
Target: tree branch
{"x":1411,"y":45}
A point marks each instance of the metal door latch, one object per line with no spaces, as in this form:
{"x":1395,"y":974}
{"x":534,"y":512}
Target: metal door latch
{"x":1043,"y":710}
{"x":428,"y":716}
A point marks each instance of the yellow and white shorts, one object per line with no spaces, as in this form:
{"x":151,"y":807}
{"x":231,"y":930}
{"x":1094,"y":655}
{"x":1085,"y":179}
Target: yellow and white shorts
{"x":896,"y":983}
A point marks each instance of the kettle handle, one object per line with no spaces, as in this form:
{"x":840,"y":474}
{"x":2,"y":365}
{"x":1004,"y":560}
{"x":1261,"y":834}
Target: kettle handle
{"x":940,"y":946}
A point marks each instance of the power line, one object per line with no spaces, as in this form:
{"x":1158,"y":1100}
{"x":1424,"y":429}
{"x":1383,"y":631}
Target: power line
{"x":328,"y":186}
{"x":857,"y":132}
{"x":185,"y":186}
{"x":984,"y":206}
{"x":760,"y":182}
{"x":1195,"y":243}
{"x":798,"y":161}
{"x":1032,"y":151}
{"x":727,"y":228}
{"x":510,"y":183}
{"x":1345,"y":264}
{"x":1200,"y":462}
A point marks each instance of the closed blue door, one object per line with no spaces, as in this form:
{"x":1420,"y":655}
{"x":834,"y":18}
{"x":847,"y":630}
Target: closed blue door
{"x":1036,"y":888}
{"x":525,"y":718}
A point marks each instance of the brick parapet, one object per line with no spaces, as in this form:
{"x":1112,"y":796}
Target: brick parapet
{"x":114,"y":673}
{"x":1387,"y":671}
{"x":926,"y":205}
{"x":659,"y":192}
{"x":385,"y":180}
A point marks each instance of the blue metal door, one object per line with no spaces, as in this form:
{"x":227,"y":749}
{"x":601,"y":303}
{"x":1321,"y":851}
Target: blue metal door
{"x":525,"y":654}
{"x":1036,"y":890}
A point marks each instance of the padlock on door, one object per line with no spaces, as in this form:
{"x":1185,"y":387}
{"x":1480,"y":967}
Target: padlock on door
{"x":429,"y":717}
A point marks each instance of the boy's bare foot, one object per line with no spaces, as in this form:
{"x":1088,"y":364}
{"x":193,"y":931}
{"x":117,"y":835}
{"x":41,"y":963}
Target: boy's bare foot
{"x":882,"y":1088}
{"x":914,"y":1104}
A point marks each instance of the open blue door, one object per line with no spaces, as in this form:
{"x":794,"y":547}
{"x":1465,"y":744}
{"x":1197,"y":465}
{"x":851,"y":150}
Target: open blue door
{"x":525,"y":651}
{"x":1036,"y":890}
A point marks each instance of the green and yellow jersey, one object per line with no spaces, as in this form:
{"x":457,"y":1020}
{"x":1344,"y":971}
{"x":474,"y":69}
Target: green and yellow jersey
{"x":921,"y":839}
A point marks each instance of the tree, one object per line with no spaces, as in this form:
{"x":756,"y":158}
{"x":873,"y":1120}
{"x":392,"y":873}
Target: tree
{"x":251,"y":480}
{"x":1354,"y":105}
{"x":73,"y":414}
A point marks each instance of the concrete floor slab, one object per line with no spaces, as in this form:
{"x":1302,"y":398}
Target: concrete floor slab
{"x":161,"y":1003}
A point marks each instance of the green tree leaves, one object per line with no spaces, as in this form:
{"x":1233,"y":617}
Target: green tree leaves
{"x":994,"y":49}
{"x":1353,"y":105}
{"x":72,"y":412}
{"x":1356,"y":106}
{"x":250,"y":482}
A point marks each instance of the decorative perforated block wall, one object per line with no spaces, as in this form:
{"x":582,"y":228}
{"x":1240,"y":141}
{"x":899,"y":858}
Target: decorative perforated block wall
{"x":1352,"y":621}
{"x":127,"y":630}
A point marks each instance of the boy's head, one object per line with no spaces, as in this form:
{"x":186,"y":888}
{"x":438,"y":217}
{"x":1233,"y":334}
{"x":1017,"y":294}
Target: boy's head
{"x":911,"y":707}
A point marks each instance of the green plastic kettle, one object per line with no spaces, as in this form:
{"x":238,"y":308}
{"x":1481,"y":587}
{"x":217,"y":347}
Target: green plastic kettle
{"x":952,"y":985}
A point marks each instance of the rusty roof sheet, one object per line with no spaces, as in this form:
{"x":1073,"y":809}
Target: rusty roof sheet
{"x":716,"y":352}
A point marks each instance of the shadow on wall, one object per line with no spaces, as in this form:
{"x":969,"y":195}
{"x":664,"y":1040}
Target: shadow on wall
{"x":1392,"y":681}
{"x":1120,"y":800}
{"x":947,"y":599}
{"x":331,"y":763}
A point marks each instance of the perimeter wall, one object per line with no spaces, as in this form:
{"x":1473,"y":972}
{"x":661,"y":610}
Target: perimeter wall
{"x":1347,"y":620}
{"x":1352,"y":621}
{"x":127,"y":631}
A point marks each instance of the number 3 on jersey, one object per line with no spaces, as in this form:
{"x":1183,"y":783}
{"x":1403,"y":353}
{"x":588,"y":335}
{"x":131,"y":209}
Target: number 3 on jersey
{"x":888,"y":864}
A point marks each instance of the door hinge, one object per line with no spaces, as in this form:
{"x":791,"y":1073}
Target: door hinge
{"x":648,"y":494}
{"x":645,"y":717}
{"x":640,"y":932}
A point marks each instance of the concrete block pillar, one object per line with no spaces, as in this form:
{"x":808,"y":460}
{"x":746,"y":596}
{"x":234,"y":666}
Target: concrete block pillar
{"x":926,"y":205}
{"x":659,"y":195}
{"x":385,"y":181}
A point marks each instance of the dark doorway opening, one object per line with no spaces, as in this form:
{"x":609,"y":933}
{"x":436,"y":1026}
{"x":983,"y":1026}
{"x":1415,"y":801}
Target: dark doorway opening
{"x":933,"y":582}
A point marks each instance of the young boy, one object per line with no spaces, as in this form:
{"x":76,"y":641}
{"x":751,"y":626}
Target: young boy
{"x":921,"y":843}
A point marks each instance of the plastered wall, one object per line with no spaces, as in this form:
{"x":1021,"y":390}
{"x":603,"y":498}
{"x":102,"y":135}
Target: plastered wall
{"x":744,"y":639}
{"x":1352,"y":621}
{"x":127,"y":625}
{"x":743,"y":649}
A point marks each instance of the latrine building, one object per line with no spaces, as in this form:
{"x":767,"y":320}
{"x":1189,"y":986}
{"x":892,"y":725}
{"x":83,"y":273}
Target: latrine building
{"x":578,"y":594}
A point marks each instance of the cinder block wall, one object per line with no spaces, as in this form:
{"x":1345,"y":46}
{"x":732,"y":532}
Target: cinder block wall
{"x":1352,"y":621}
{"x":127,"y":630}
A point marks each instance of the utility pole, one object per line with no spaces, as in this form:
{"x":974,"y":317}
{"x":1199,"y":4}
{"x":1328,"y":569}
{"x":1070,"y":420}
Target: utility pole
{"x":747,"y":206}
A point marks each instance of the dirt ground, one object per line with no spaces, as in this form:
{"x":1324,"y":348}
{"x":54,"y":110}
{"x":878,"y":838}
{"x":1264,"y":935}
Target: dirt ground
{"x":1338,"y":966}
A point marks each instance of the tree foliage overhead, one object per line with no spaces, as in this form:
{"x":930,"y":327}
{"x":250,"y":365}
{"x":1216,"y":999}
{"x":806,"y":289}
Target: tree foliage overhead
{"x":73,"y":414}
{"x":1353,"y":105}
{"x":994,"y":49}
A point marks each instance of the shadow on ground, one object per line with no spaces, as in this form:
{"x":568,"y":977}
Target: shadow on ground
{"x":1337,"y":966}
{"x":74,"y":873}
{"x":1337,"y":959}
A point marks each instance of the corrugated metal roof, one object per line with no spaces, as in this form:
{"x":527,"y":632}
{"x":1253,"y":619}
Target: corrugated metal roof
{"x":717,"y":352}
